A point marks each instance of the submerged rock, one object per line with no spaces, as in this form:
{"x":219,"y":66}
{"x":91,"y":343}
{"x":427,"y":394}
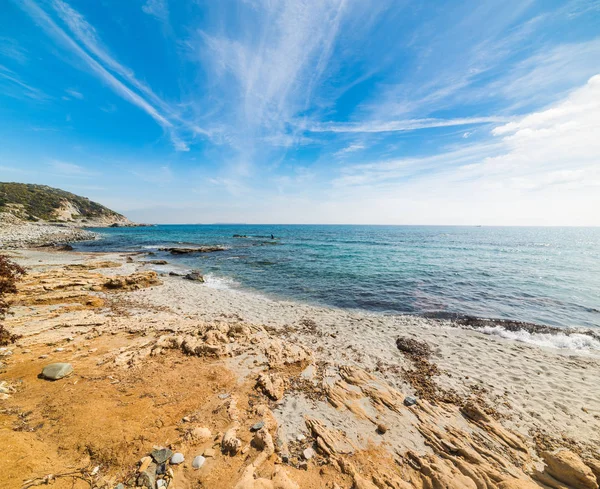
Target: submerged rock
{"x":56,"y":371}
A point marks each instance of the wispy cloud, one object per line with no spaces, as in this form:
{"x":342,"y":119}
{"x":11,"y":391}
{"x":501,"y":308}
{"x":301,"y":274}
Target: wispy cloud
{"x":74,"y":93}
{"x":15,"y":87}
{"x":9,"y":48}
{"x":70,"y":169}
{"x":84,"y":43}
{"x":401,"y":126}
{"x":555,"y":146}
{"x":158,"y":9}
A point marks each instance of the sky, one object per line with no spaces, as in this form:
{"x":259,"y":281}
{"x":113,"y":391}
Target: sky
{"x":479,"y":112}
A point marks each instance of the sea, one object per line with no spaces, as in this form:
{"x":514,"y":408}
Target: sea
{"x":542,"y":275}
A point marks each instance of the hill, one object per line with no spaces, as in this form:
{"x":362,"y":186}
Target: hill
{"x":30,"y":202}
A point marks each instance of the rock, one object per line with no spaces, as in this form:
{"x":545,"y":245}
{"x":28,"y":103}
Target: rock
{"x":272,"y":385}
{"x":224,"y":396}
{"x":300,"y":437}
{"x":161,"y":455}
{"x":161,"y":483}
{"x":303,"y":466}
{"x":209,"y":452}
{"x":58,"y":350}
{"x":5,"y":352}
{"x":161,"y":469}
{"x":230,"y":443}
{"x":119,"y":486}
{"x":257,"y":426}
{"x":43,"y":356}
{"x":198,"y":462}
{"x":144,"y":463}
{"x":200,"y":249}
{"x":567,"y":467}
{"x":195,"y":276}
{"x":176,"y":274}
{"x":147,"y":478}
{"x":56,"y":371}
{"x":381,"y":428}
{"x":410,"y":401}
{"x":177,"y":458}
{"x":308,"y":453}
{"x":200,"y":434}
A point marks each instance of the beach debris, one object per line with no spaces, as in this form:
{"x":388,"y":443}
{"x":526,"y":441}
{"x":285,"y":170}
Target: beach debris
{"x":272,"y":385}
{"x":231,"y":444}
{"x":144,"y":463}
{"x":412,"y":347}
{"x":198,"y":462}
{"x":56,"y":371}
{"x":161,"y":455}
{"x":410,"y":401}
{"x":177,"y":458}
{"x":195,"y":276}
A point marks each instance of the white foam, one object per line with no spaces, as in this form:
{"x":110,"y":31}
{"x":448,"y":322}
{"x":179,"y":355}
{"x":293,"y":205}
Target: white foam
{"x":215,"y":282}
{"x":574,"y":341}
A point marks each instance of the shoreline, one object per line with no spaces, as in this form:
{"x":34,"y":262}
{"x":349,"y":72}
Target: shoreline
{"x":310,"y":360}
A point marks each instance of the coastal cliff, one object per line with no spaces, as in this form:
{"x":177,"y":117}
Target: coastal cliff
{"x":38,"y":215}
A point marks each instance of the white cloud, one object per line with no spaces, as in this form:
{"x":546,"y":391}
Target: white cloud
{"x":158,"y":9}
{"x":543,"y":168}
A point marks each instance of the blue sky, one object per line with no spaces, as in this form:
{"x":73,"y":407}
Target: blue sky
{"x":314,"y":111}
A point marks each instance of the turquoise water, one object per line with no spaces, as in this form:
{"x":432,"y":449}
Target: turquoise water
{"x":541,"y":275}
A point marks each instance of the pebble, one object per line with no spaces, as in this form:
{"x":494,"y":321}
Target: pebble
{"x":161,"y":483}
{"x":43,"y":356}
{"x":300,"y":437}
{"x":161,"y":455}
{"x":185,"y":419}
{"x":257,"y":426}
{"x":95,"y":471}
{"x":177,"y":458}
{"x":119,"y":486}
{"x":4,"y":389}
{"x":26,"y":351}
{"x":59,"y":349}
{"x":303,"y":466}
{"x":308,"y":453}
{"x":198,"y":462}
{"x":410,"y":401}
{"x":56,"y":371}
{"x":224,"y":396}
{"x":5,"y":352}
{"x":381,"y":428}
{"x":209,"y":452}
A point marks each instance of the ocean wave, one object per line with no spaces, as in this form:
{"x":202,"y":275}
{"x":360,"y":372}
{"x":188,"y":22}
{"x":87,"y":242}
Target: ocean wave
{"x":216,"y":282}
{"x":573,"y":341}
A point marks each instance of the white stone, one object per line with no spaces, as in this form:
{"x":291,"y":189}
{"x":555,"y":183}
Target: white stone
{"x":308,"y":453}
{"x":198,"y":462}
{"x":177,"y":458}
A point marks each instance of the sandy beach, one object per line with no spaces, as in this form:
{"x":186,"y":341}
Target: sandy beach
{"x":275,"y":393}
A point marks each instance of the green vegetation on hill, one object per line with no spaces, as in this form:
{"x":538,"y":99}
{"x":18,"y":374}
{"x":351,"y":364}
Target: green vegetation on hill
{"x":42,"y":202}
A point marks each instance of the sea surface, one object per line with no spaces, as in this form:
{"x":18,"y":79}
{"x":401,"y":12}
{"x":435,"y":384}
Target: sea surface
{"x":541,"y":275}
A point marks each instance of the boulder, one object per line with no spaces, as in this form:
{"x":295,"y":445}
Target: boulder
{"x":567,"y":467}
{"x":56,"y":371}
{"x":195,"y":276}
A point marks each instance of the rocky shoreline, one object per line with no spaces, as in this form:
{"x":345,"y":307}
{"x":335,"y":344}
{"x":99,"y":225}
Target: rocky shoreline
{"x":19,"y":234}
{"x":171,"y":384}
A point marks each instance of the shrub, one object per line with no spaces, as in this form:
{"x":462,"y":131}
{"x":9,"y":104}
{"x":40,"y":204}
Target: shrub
{"x":10,"y":273}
